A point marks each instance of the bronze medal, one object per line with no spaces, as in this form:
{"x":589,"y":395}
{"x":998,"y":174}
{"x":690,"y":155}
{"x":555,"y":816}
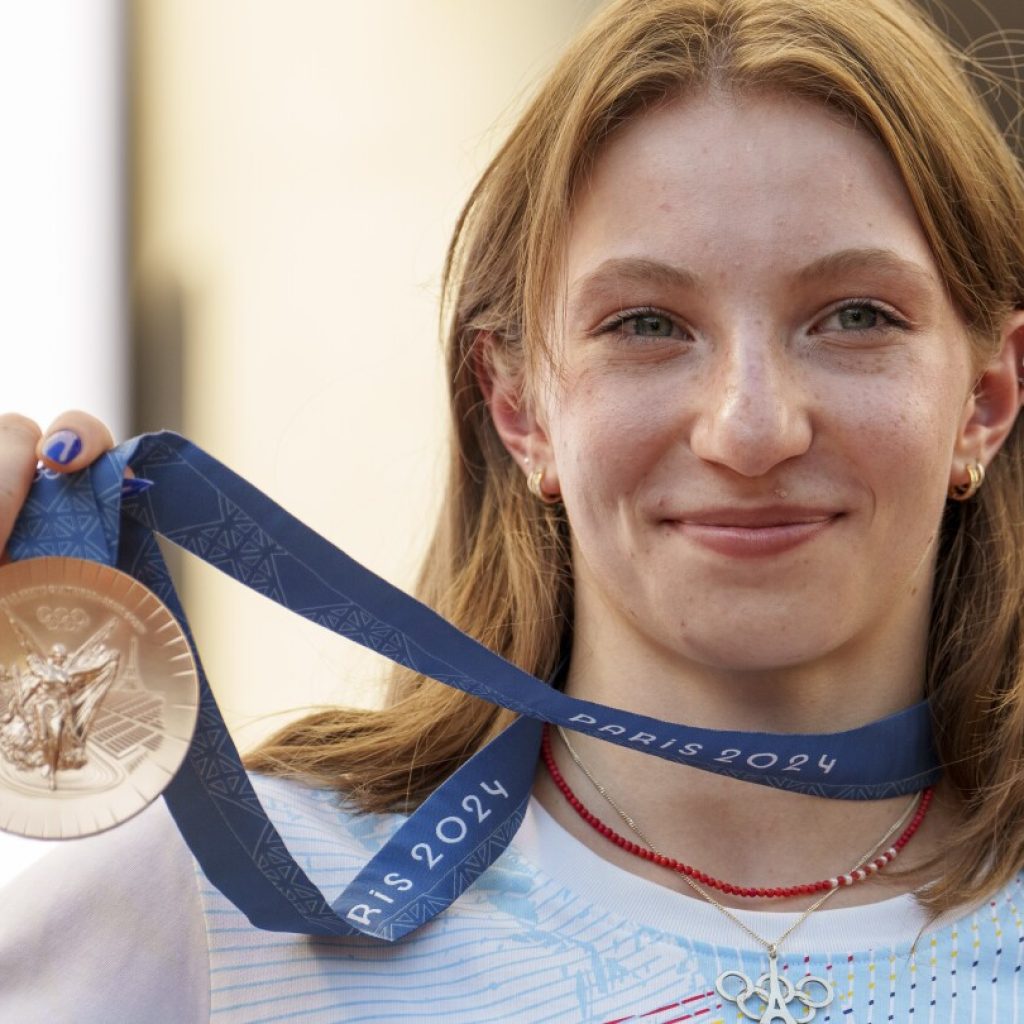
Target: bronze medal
{"x":99,"y":695}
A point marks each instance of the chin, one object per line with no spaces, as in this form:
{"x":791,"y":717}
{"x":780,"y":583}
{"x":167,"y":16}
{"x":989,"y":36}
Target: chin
{"x":738,"y":644}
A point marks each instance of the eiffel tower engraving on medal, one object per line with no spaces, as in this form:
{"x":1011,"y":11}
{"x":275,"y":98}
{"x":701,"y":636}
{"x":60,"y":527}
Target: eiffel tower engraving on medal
{"x":775,"y":992}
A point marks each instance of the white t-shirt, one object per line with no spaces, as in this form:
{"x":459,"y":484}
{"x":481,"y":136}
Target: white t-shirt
{"x":124,"y":927}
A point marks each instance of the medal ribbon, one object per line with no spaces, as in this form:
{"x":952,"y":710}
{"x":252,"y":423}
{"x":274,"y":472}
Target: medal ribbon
{"x":205,"y":508}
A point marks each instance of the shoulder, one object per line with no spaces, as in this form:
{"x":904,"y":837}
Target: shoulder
{"x":115,"y":926}
{"x":110,"y":925}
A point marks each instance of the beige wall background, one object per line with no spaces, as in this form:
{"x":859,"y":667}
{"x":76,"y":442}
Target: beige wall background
{"x":296,"y":171}
{"x":298,"y":168}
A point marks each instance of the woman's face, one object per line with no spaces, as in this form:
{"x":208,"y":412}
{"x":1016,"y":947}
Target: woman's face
{"x":760,"y":390}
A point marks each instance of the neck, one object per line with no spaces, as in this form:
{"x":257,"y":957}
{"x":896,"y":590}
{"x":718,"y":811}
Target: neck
{"x":840,"y":690}
{"x":734,"y":830}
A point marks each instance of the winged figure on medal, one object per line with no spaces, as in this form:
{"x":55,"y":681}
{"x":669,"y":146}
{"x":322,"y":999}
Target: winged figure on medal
{"x":53,"y":700}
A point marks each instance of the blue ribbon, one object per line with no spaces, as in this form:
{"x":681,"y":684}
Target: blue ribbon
{"x":205,"y":508}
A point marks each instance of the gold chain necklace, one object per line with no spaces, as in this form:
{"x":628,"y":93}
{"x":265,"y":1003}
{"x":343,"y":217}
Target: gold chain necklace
{"x":774,"y":991}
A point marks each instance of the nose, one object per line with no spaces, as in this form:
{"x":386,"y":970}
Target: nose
{"x":754,"y":413}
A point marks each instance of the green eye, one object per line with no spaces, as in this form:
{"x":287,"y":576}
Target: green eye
{"x":858,"y":317}
{"x":642,"y":323}
{"x":651,"y":325}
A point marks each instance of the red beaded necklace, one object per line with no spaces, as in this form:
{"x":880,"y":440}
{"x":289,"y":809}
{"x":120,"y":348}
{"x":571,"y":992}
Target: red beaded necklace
{"x":782,"y":892}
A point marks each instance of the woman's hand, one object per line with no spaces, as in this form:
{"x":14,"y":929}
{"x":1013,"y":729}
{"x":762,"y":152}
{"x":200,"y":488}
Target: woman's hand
{"x":73,"y":441}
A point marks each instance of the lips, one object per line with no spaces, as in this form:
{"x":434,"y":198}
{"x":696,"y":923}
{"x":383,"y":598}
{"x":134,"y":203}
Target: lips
{"x":754,"y":532}
{"x":755,"y":518}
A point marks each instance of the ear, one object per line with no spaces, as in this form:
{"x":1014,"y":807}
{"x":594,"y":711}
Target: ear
{"x":992,"y":408}
{"x":514,"y":411}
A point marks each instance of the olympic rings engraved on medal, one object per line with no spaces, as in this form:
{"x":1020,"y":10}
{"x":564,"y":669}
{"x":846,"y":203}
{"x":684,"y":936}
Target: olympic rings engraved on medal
{"x":72,"y":619}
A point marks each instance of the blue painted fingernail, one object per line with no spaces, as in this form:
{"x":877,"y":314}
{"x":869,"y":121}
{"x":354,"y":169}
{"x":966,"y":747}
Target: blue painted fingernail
{"x":62,"y":447}
{"x":134,"y":485}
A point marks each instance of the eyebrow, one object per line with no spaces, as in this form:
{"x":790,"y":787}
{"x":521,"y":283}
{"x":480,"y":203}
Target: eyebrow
{"x":629,"y":270}
{"x":637,"y":270}
{"x":847,"y":261}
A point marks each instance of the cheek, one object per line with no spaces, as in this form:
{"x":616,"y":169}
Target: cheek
{"x":915,"y":426}
{"x":606,"y":437}
{"x":899,"y":441}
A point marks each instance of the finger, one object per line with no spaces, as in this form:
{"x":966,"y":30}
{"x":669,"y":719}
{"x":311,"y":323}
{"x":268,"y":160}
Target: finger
{"x":75,"y":439}
{"x":19,"y":437}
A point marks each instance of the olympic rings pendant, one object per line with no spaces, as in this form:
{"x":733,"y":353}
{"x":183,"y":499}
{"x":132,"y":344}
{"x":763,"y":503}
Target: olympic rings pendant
{"x":775,"y":992}
{"x":99,"y":696}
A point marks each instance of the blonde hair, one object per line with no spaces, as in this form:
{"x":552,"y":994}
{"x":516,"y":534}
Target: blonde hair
{"x":498,"y":565}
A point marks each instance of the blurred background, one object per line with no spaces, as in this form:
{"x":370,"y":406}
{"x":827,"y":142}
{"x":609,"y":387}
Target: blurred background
{"x":228,"y":218}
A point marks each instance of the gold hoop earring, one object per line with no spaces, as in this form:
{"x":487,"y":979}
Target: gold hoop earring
{"x":976,"y":477}
{"x":533,"y":485}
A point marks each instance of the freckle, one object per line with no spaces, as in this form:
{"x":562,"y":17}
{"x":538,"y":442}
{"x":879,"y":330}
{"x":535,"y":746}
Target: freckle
{"x":665,"y":207}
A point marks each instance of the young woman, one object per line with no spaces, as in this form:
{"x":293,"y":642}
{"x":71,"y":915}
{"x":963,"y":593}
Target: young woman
{"x":735,"y":351}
